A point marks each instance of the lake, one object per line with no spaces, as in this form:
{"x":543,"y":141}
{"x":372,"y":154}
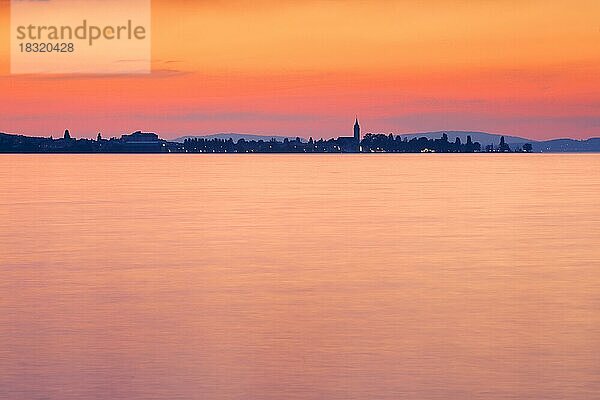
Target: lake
{"x":300,"y":277}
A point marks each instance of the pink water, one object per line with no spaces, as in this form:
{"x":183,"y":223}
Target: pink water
{"x":300,"y":277}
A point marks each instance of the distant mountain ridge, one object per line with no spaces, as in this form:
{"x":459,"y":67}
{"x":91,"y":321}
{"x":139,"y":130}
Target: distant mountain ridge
{"x":567,"y":145}
{"x":539,"y":146}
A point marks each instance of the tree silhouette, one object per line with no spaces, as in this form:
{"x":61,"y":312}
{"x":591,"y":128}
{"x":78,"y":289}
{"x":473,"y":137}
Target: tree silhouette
{"x":504,"y":148}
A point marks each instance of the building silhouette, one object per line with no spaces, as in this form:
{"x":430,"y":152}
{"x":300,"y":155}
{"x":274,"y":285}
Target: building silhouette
{"x":350,"y":144}
{"x":142,"y":142}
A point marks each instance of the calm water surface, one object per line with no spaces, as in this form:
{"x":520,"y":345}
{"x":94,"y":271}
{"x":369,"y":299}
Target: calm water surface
{"x":300,"y":277}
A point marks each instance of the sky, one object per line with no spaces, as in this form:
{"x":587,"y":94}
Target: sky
{"x":307,"y":68}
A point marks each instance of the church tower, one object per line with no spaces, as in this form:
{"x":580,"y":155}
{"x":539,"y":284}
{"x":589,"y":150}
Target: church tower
{"x":357,"y":132}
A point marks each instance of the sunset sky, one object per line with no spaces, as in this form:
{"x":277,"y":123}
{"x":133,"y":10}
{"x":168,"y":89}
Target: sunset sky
{"x":526,"y":68}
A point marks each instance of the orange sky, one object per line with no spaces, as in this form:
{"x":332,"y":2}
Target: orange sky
{"x":306,"y":68}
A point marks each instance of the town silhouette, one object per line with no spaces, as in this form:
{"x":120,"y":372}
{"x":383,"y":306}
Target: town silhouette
{"x":147,"y":142}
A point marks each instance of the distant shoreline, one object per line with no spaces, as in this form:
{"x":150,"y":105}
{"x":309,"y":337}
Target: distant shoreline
{"x":150,"y":143}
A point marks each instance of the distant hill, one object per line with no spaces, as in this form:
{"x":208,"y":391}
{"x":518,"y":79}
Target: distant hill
{"x":482,"y":137}
{"x":567,"y":145}
{"x":237,"y":136}
{"x":547,"y":146}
